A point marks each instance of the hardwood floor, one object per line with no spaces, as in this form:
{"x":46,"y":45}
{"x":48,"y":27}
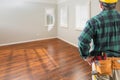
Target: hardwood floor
{"x":42,"y":60}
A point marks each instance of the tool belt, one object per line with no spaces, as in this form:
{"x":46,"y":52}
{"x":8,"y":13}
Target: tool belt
{"x":105,"y":65}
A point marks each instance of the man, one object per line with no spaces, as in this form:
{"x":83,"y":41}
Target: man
{"x":104,"y":30}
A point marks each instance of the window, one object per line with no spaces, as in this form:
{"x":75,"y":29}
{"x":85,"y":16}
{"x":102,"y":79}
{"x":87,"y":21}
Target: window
{"x":82,"y":15}
{"x":64,"y":16}
{"x":49,"y":17}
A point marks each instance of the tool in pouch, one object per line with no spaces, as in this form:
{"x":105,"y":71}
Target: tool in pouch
{"x":102,"y":65}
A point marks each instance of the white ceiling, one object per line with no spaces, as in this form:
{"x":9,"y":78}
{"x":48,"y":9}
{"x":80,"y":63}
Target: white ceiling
{"x":46,"y":1}
{"x":59,"y":1}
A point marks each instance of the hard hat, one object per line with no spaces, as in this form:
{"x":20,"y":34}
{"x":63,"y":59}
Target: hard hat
{"x":109,"y":1}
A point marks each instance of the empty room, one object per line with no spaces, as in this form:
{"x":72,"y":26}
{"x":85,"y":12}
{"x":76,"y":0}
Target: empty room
{"x":54,"y":39}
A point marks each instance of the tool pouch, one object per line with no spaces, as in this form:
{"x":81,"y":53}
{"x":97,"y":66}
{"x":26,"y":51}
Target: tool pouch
{"x":104,"y":67}
{"x":116,"y":63}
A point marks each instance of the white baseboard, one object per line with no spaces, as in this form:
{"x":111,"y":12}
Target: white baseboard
{"x":37,"y":40}
{"x":26,"y":41}
{"x":67,"y":41}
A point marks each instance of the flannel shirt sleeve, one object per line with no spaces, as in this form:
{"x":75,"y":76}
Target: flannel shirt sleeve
{"x":84,"y":40}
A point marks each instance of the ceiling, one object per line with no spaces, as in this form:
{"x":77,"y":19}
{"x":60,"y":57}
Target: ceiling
{"x":46,"y":1}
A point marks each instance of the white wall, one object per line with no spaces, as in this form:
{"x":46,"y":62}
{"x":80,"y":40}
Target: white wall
{"x":70,"y":34}
{"x":95,"y":7}
{"x":118,"y":6}
{"x":23,"y":22}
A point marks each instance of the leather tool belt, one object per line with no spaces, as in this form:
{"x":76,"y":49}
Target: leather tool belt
{"x":105,"y":65}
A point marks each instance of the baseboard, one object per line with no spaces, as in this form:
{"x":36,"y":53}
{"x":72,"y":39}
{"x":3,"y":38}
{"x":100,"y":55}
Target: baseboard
{"x":37,"y":40}
{"x":67,"y":41}
{"x":26,"y":41}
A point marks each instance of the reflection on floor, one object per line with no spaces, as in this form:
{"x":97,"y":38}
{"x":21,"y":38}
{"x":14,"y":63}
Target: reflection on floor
{"x":42,"y":60}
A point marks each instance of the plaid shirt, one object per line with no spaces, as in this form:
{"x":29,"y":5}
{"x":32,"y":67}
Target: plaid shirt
{"x":104,"y":30}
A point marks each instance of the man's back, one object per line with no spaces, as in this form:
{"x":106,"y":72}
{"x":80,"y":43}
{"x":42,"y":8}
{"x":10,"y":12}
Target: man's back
{"x":104,"y":30}
{"x":107,"y":32}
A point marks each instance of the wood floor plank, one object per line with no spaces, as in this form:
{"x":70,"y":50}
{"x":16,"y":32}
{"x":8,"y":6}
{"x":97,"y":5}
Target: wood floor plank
{"x":51,"y":59}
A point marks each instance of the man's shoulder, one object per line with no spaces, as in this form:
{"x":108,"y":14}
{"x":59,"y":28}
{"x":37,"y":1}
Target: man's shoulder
{"x":95,"y":19}
{"x":96,"y":16}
